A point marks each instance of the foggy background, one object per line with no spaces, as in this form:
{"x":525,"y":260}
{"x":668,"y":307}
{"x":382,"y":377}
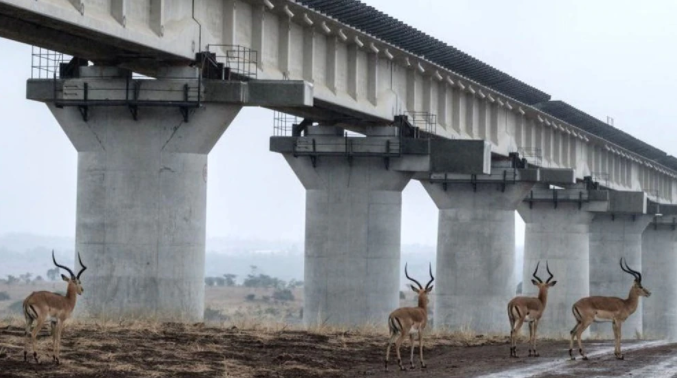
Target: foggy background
{"x":607,"y":58}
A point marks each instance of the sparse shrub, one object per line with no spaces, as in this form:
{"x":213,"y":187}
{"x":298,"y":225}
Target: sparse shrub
{"x":213,"y":315}
{"x":271,"y":311}
{"x":283,"y":295}
{"x":250,"y":297}
{"x":4,"y":296}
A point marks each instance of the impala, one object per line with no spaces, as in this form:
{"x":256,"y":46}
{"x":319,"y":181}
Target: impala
{"x":41,"y":306}
{"x":409,"y":320}
{"x":609,"y":309}
{"x":529,"y":309}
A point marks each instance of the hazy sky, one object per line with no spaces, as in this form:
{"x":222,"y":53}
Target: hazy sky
{"x":605,"y":57}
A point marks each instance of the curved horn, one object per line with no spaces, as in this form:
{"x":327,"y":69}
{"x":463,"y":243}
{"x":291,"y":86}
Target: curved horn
{"x":548,"y":269}
{"x":407,"y":274}
{"x":61,"y":266}
{"x":82,"y":265}
{"x":536,"y":270}
{"x":627,"y":269}
{"x":431,"y":277}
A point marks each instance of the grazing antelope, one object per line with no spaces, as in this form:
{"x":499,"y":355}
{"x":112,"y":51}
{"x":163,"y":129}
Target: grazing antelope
{"x":409,"y":320}
{"x":530,"y":309}
{"x":612,"y":309}
{"x":41,"y":306}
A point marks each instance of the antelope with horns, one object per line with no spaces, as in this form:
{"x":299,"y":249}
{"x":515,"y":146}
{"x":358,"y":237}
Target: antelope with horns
{"x":41,"y":306}
{"x":409,"y":320}
{"x":529,"y":309}
{"x":601,"y":309}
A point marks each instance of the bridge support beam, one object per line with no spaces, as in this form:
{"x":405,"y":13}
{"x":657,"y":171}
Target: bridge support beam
{"x":141,"y":208}
{"x":560,"y":236}
{"x":613,"y":236}
{"x":352,"y":236}
{"x":659,"y":259}
{"x":475,"y":254}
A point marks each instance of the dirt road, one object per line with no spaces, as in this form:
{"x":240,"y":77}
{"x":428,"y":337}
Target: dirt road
{"x":172,"y":350}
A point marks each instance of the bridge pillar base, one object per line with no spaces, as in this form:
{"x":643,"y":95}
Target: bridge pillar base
{"x":352,"y":241}
{"x":141,"y":208}
{"x":475,"y":255}
{"x":613,"y":237}
{"x":659,"y":259}
{"x":560,"y":236}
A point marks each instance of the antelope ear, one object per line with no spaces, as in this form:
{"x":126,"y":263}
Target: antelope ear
{"x":414,"y":288}
{"x":64,"y":278}
{"x":552,"y":283}
{"x":429,"y":289}
{"x":534,"y":282}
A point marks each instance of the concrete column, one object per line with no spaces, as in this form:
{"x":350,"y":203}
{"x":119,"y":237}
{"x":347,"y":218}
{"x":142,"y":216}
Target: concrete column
{"x":475,"y":255}
{"x":659,"y":276}
{"x":613,"y":237}
{"x":560,"y":236}
{"x":352,"y":241}
{"x":141,"y":207}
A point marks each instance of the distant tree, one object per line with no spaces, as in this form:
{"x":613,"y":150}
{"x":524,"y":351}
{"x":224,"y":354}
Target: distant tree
{"x":53,"y":274}
{"x":294,"y":284}
{"x":210,"y":281}
{"x":250,"y":297}
{"x":220,"y":281}
{"x":230,"y":279}
{"x":4,"y":296}
{"x":11,"y":280}
{"x":26,"y":277}
{"x":38,"y":279}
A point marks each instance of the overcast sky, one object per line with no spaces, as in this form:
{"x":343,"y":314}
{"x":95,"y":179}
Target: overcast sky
{"x":608,"y":58}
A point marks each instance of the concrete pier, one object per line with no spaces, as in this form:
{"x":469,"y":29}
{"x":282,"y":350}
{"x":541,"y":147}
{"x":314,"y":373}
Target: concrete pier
{"x":613,"y":237}
{"x":352,"y":241}
{"x":475,"y":255}
{"x":141,"y":208}
{"x":560,"y":236}
{"x":659,"y":262}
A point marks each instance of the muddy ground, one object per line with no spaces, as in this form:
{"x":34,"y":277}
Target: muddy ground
{"x":173,"y":350}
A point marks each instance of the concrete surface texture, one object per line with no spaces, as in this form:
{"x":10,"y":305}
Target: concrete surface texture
{"x":475,"y":255}
{"x":352,"y":239}
{"x":613,"y":237}
{"x":659,"y":259}
{"x":559,"y":236}
{"x":141,"y":208}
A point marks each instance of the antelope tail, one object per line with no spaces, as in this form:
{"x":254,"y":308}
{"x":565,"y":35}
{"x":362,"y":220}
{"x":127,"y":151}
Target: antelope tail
{"x":578,"y":316}
{"x":394,"y":325}
{"x":29,"y":312}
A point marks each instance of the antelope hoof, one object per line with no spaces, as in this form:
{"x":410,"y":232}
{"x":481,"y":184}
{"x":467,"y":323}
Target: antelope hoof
{"x":423,"y":366}
{"x":573,"y":358}
{"x":56,"y":360}
{"x":25,"y":356}
{"x":35,"y":356}
{"x":412,"y":366}
{"x":536,"y":354}
{"x":585,"y":358}
{"x":620,"y":357}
